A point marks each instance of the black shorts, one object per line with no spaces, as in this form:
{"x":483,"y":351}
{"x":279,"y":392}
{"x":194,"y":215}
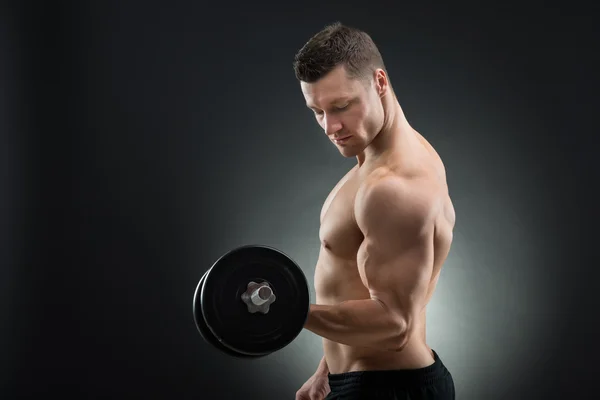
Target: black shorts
{"x":431,"y":382}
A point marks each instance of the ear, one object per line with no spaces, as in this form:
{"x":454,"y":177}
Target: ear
{"x":381,"y":82}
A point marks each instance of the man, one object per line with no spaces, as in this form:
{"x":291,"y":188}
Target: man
{"x":386,"y":229}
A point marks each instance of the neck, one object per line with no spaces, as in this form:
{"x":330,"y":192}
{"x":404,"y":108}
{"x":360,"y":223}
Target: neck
{"x":395,"y":128}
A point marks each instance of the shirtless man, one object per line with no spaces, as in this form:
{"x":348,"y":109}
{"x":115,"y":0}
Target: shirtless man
{"x":386,"y":229}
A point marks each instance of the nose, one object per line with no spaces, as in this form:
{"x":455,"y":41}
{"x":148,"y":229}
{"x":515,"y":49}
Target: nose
{"x":331,"y":125}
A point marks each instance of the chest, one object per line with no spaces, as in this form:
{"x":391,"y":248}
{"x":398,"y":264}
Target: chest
{"x":339,"y":232}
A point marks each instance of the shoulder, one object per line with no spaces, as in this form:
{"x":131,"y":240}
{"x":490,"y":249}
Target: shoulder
{"x":386,"y":196}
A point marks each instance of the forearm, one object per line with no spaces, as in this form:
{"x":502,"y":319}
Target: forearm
{"x":362,"y":323}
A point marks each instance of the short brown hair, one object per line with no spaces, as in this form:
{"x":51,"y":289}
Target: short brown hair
{"x":335,"y":45}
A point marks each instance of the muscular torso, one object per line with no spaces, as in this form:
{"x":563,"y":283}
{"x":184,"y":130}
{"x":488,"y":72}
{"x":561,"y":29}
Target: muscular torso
{"x":337,"y":275}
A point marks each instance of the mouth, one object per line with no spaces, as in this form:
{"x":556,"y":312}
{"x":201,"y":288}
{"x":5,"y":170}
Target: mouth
{"x":341,"y":140}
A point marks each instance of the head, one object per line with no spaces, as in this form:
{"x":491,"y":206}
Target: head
{"x":344,"y":82}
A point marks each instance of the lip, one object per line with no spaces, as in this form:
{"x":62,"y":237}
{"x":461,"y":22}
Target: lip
{"x":342,"y":139}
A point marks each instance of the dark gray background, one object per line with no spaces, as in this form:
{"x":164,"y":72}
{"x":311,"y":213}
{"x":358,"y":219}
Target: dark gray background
{"x":142,"y":140}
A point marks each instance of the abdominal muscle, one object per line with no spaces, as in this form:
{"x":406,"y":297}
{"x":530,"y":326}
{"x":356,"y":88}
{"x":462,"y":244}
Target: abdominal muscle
{"x":337,"y":281}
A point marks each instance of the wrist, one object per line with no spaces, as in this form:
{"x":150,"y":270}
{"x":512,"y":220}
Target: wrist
{"x":322,"y":369}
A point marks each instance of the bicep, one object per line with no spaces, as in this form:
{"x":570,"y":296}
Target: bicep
{"x":396,"y":255}
{"x":398,"y":274}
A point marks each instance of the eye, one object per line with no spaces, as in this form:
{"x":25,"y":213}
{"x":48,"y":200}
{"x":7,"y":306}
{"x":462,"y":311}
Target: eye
{"x":342,"y":108}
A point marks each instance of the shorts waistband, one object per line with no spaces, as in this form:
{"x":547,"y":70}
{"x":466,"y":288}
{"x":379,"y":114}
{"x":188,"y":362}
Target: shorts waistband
{"x":398,"y":377}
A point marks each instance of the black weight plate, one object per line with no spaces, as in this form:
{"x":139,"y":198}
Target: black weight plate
{"x":227,"y":315}
{"x":204,"y":330}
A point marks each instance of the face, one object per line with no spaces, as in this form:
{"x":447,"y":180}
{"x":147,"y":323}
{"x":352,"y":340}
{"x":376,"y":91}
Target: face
{"x":350,"y":111}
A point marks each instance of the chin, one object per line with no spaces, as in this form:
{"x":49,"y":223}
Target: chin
{"x":348,"y":153}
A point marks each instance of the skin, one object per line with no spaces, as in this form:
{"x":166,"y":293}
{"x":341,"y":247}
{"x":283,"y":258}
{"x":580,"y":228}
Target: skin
{"x":386,"y":230}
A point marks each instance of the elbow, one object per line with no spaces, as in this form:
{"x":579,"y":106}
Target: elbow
{"x":400,"y":329}
{"x":402,"y":337}
{"x":400,"y":343}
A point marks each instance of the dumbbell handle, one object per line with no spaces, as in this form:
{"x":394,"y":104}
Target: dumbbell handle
{"x":261,"y":295}
{"x":258,"y":297}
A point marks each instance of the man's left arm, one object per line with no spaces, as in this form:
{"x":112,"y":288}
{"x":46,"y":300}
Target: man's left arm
{"x":396,"y":257}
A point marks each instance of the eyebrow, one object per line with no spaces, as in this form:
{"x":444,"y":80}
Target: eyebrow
{"x":334,"y":101}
